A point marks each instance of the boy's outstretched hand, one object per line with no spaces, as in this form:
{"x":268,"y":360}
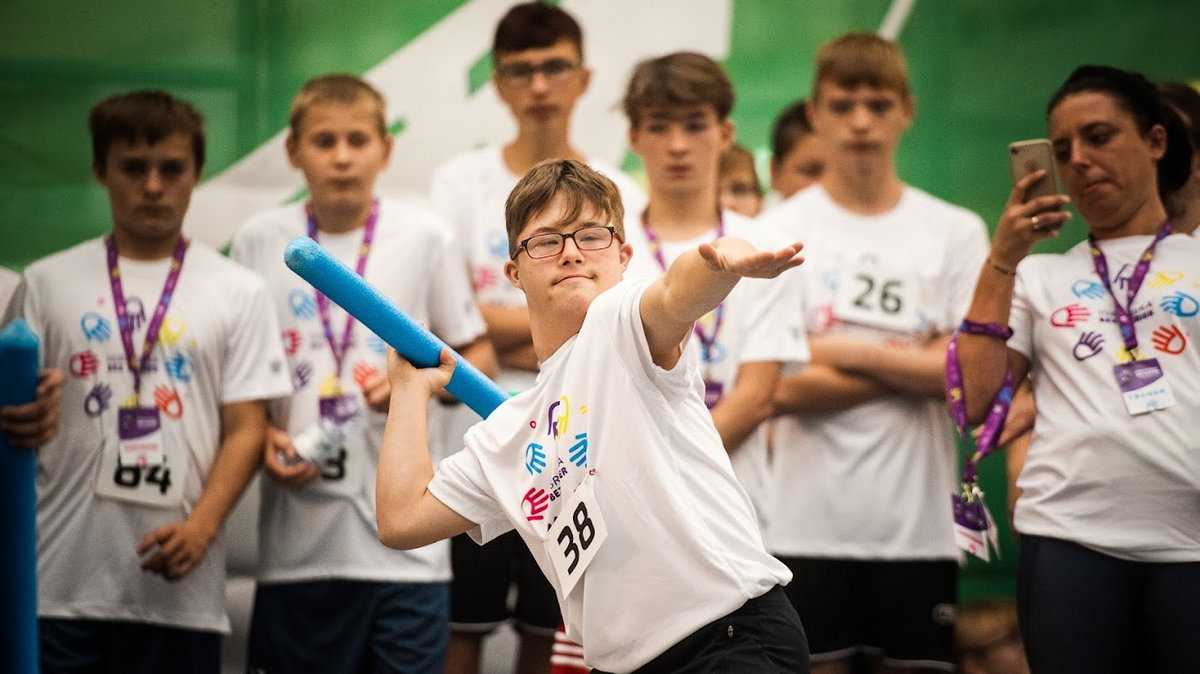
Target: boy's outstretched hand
{"x":738,"y":257}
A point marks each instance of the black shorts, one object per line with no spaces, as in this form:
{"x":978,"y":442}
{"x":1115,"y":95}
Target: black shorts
{"x":70,"y":645}
{"x":483,"y":575}
{"x":763,"y":636}
{"x":901,"y":610}
{"x":364,"y":626}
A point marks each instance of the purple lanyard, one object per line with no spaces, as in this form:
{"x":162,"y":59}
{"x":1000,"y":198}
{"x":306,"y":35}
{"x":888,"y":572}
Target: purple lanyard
{"x":1125,"y":312}
{"x":339,"y":351}
{"x":136,"y":365}
{"x":956,"y":400}
{"x":707,"y":341}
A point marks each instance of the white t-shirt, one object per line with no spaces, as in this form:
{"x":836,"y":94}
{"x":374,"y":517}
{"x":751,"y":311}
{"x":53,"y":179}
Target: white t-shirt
{"x":752,"y":329}
{"x":9,"y":280}
{"x":1127,"y":486}
{"x":469,"y":191}
{"x":327,"y":529}
{"x":218,"y":345}
{"x":874,"y":481}
{"x":683,"y":547}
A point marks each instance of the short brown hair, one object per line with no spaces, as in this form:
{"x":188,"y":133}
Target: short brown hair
{"x":737,"y":157}
{"x":862,"y":59}
{"x":342,"y":88}
{"x":791,"y":126}
{"x":681,"y":79}
{"x":535,"y":25}
{"x":579,"y":184}
{"x":146,"y":115}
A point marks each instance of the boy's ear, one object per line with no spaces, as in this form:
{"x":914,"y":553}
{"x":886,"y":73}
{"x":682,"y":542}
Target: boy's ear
{"x":727,"y":131}
{"x":625,"y":253}
{"x":512,"y":273}
{"x":290,"y":144}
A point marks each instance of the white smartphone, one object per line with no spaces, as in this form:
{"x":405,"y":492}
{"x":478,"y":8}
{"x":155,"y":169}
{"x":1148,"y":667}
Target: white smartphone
{"x":1027,"y":156}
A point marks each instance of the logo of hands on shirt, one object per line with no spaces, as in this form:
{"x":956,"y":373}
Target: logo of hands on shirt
{"x":538,"y":501}
{"x":95,"y":327}
{"x":535,"y":458}
{"x":1169,"y":339}
{"x":1088,"y":288}
{"x":1180,"y":304}
{"x":1069,"y":316}
{"x":1089,"y":344}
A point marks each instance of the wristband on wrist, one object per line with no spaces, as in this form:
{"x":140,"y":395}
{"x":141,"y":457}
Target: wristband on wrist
{"x":986,"y":329}
{"x":1001,"y":268}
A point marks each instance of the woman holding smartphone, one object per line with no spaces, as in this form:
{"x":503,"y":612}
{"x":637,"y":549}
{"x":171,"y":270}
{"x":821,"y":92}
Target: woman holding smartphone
{"x":1109,"y":574}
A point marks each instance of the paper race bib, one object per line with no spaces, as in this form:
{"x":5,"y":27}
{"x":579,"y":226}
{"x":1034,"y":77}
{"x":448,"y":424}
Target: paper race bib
{"x":156,"y":484}
{"x":343,"y":460}
{"x":877,"y":297}
{"x":576,"y":536}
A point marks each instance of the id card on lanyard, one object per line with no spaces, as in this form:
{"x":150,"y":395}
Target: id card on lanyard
{"x":710,"y":349}
{"x":1144,"y":387}
{"x":344,"y":462}
{"x":138,"y":466}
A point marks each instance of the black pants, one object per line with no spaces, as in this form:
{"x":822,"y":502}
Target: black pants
{"x":764,"y":636}
{"x":1084,"y":611}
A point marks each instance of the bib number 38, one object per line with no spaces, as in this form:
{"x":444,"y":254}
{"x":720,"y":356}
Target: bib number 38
{"x":577,"y":534}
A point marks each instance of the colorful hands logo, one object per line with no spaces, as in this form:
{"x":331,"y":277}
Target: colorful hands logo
{"x":83,"y":364}
{"x":1180,"y":304}
{"x":364,"y":373}
{"x":1123,"y":276}
{"x":302,"y":374}
{"x":1169,"y":339}
{"x":302,"y":304}
{"x":1162,"y":279}
{"x":1089,"y":289}
{"x":171,"y":331}
{"x":535,"y":458}
{"x":537,"y":501}
{"x":376,"y":344}
{"x":97,"y":400}
{"x":556,"y":426}
{"x":1069,"y":316}
{"x":485,"y":278}
{"x":95,"y":327}
{"x":136,"y":311}
{"x":179,"y":367}
{"x":1089,"y":344}
{"x":292,"y":342}
{"x":579,"y":451}
{"x":168,"y":401}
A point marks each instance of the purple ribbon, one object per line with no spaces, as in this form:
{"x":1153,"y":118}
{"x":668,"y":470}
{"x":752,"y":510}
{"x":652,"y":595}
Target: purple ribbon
{"x":706,"y":341}
{"x":135,"y":364}
{"x":1124,"y":312}
{"x":339,"y":351}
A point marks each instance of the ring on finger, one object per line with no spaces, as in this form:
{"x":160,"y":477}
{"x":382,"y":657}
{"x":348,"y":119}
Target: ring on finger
{"x":1034,"y":222}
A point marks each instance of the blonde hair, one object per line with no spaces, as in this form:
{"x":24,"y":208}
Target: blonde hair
{"x":858,"y":59}
{"x":578,"y":184}
{"x":341,"y":88}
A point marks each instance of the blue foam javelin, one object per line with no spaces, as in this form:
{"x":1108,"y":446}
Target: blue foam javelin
{"x":18,"y":506}
{"x":361,"y":300}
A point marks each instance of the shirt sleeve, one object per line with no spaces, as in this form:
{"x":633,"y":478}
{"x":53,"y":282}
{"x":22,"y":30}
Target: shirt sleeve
{"x":254,"y":367}
{"x":460,"y":483}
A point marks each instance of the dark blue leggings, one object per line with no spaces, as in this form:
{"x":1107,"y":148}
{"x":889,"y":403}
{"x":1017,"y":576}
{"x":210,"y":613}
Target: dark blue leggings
{"x":1084,"y":611}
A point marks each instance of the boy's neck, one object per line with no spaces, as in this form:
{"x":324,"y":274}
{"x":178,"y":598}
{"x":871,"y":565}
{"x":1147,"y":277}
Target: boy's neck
{"x":530,"y":148}
{"x":145,"y":250}
{"x":677,"y":218}
{"x":865,"y":187}
{"x":549,"y":335}
{"x":340,"y":219}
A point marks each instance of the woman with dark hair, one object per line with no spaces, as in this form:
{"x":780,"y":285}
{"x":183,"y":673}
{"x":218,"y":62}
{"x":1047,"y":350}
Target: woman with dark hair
{"x":1109,"y":575}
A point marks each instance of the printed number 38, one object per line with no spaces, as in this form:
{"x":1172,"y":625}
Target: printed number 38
{"x":583,"y":528}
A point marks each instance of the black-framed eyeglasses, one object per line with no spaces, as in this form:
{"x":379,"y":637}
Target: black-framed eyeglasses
{"x":551,"y":244}
{"x":521,"y":72}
